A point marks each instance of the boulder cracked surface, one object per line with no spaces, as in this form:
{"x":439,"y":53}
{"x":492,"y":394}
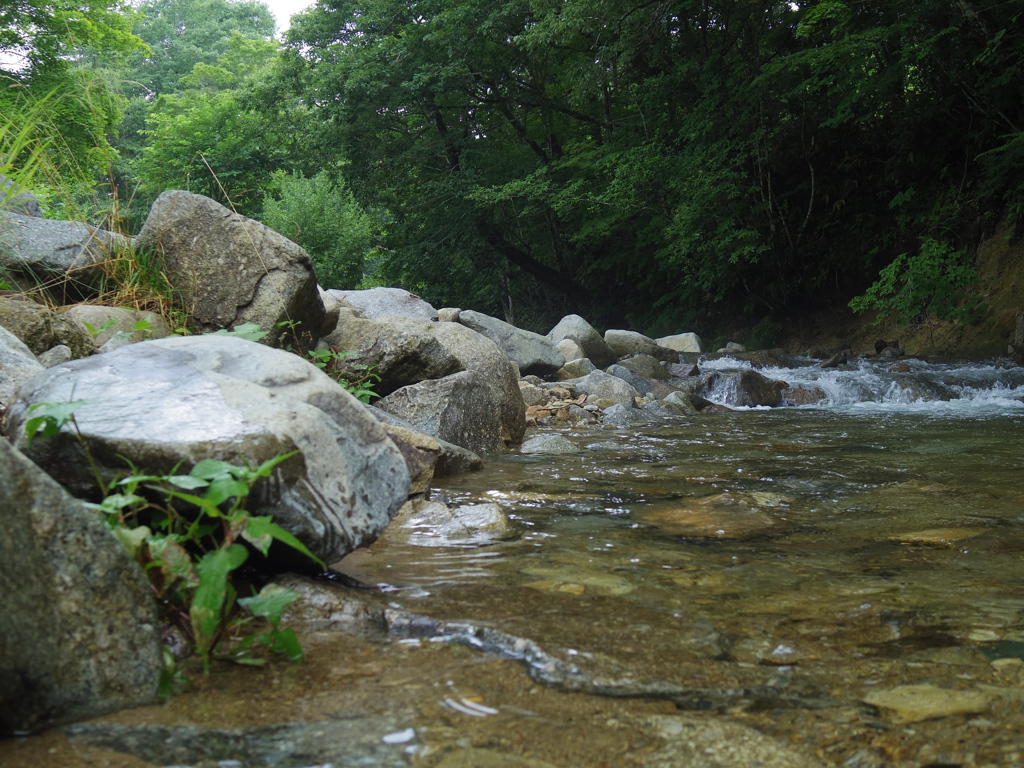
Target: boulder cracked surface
{"x":231,"y":270}
{"x":444,"y":379}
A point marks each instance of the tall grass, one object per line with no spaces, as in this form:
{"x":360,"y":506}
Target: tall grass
{"x":37,"y":158}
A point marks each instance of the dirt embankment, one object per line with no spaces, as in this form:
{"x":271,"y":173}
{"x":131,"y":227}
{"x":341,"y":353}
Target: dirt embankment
{"x":1000,"y":263}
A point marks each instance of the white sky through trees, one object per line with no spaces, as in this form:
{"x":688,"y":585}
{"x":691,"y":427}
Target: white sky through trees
{"x":283,"y":10}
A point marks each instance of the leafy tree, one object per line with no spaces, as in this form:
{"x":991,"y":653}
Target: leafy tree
{"x":39,"y":35}
{"x":928,"y":283}
{"x":205,"y":140}
{"x":183,"y":33}
{"x":322,"y":216}
{"x":653,"y":163}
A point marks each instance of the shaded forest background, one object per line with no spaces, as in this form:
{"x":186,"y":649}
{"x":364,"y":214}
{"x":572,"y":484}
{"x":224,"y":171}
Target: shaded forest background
{"x":662,"y":165}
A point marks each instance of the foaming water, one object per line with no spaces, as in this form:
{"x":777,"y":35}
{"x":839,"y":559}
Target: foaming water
{"x":984,"y":389}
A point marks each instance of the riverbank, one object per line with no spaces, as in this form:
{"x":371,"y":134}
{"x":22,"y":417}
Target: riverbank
{"x":1000,"y":264}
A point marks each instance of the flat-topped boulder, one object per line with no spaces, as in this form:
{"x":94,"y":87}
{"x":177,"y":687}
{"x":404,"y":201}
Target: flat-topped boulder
{"x":626,"y":343}
{"x":386,"y":302}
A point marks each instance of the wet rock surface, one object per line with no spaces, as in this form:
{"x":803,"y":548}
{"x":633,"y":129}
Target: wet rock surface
{"x":79,"y":633}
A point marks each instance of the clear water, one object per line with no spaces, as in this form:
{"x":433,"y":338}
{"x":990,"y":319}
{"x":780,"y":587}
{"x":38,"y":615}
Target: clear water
{"x":776,"y":566}
{"x":874,"y":540}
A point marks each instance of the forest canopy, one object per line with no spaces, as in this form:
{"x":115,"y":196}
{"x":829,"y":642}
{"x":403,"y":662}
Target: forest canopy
{"x":655,"y":165}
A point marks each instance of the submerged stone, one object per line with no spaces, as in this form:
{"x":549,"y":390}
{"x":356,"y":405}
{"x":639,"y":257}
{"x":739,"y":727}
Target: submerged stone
{"x":550,"y":444}
{"x":722,"y":516}
{"x":914,"y":703}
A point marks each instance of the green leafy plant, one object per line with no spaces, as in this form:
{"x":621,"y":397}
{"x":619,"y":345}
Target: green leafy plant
{"x":933,"y":282}
{"x":765,"y":334}
{"x":94,"y":331}
{"x":191,"y":533}
{"x":249,"y":331}
{"x":358,"y":380}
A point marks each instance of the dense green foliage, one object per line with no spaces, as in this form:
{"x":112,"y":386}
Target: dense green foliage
{"x":70,"y":108}
{"x":187,"y":532}
{"x":652,"y":163}
{"x":321,"y":215}
{"x":658,"y":165}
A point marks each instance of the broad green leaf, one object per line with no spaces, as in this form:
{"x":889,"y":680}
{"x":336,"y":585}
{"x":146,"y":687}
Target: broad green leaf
{"x":119,"y":501}
{"x":187,"y":482}
{"x":258,"y":528}
{"x":133,"y":539}
{"x":207,"y":506}
{"x":210,"y":596}
{"x":248,"y":331}
{"x":222,"y":489}
{"x":213,"y":469}
{"x":284,"y":641}
{"x":270,"y":603}
{"x":52,"y":417}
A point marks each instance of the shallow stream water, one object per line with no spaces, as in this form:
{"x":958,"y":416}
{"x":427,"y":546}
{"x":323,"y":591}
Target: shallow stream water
{"x":766,"y":569}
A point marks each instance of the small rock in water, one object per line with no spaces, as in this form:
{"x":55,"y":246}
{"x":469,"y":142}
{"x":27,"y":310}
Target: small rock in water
{"x":937,"y":537}
{"x":722,"y":516}
{"x":433,"y":524}
{"x":549,"y":444}
{"x":914,"y":703}
{"x":803,"y":396}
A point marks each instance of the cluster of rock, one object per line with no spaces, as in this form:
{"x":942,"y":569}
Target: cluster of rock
{"x":160,"y":403}
{"x":454,"y":386}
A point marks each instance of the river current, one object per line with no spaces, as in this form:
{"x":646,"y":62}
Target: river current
{"x":839,"y":584}
{"x":873,"y":541}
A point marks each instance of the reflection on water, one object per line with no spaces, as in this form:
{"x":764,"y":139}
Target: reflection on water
{"x":757,"y":547}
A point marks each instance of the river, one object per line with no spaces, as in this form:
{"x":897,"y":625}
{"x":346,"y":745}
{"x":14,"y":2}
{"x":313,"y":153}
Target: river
{"x":814,"y":578}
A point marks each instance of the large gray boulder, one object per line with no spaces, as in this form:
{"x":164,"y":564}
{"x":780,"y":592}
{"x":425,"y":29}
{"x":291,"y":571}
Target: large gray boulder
{"x":42,"y":328}
{"x":17,"y":365}
{"x":626,"y":343}
{"x":574,"y":369}
{"x":79,"y":632}
{"x":533,"y":353}
{"x":400,"y":350}
{"x":387,"y":302}
{"x":681,"y":342}
{"x":230,"y":270}
{"x":455,"y":408}
{"x":641,"y":384}
{"x":583,"y":333}
{"x":451,"y":459}
{"x":479,"y":408}
{"x":604,"y":386}
{"x":158,"y":404}
{"x":646,"y":366}
{"x":64,"y":255}
{"x":745,"y":388}
{"x":571,"y":350}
